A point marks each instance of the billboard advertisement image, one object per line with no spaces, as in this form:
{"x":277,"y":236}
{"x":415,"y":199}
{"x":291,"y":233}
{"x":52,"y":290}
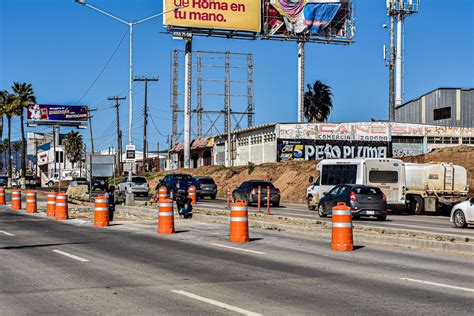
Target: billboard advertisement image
{"x":238,"y":15}
{"x":50,"y":114}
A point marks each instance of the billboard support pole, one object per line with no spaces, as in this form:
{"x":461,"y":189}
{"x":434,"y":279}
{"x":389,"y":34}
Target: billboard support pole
{"x":399,"y":61}
{"x":300,"y":81}
{"x":187,"y":103}
{"x":392,"y":71}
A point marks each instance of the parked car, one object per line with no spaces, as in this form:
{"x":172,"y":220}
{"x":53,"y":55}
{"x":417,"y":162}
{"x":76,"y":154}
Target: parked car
{"x":462,"y":214}
{"x":362,"y":199}
{"x":139,"y":185}
{"x":208,"y":187}
{"x":178,"y":183}
{"x":248,"y":192}
{"x":3,"y":181}
{"x":15,"y":183}
{"x":101,"y":183}
{"x":30,"y":182}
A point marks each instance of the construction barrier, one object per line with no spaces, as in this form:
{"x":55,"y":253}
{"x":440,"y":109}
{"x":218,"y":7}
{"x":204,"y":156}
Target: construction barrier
{"x":31,"y":206}
{"x":192,"y":194}
{"x":101,"y":211}
{"x":51,"y":208}
{"x":163,"y":193}
{"x":166,"y":217}
{"x":61,"y":211}
{"x":2,"y":196}
{"x":16,"y":200}
{"x":228,"y":197}
{"x":342,"y":228}
{"x":239,"y":224}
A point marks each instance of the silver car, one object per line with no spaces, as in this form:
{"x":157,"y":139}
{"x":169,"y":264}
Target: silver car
{"x":138,"y":185}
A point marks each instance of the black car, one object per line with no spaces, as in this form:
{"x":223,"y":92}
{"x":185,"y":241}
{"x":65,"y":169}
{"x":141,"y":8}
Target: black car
{"x":363,"y":201}
{"x":30,"y":182}
{"x":208,"y":187}
{"x":101,"y":183}
{"x":248,"y":192}
{"x":3,"y":181}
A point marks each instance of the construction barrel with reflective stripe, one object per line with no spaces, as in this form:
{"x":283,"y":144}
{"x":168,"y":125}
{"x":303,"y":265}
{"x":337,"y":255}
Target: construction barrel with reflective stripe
{"x":2,"y":196}
{"x":51,"y":208}
{"x":101,"y":211}
{"x":31,"y":201}
{"x":61,"y":211}
{"x":166,"y":217}
{"x":163,"y":193}
{"x":239,"y":224}
{"x":16,"y":200}
{"x":192,"y":194}
{"x":342,"y":228}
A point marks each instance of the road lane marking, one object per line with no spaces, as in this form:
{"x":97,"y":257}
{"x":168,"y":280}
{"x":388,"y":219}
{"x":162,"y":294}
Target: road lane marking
{"x":6,"y":233}
{"x":70,"y":255}
{"x":241,"y":249}
{"x":439,"y":284}
{"x":216,"y":303}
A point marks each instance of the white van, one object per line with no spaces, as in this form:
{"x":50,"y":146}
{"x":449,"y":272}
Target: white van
{"x":387,"y":174}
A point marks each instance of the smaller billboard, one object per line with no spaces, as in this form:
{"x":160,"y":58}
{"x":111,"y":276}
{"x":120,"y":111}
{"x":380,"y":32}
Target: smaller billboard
{"x":48,"y":114}
{"x":234,"y":15}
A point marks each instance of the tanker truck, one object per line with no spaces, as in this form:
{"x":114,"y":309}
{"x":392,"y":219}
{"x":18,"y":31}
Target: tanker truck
{"x":430,"y":187}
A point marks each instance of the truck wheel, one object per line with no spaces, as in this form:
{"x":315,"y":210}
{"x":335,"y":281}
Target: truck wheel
{"x":50,"y":184}
{"x":308,"y":202}
{"x":418,"y":206}
{"x":459,"y":219}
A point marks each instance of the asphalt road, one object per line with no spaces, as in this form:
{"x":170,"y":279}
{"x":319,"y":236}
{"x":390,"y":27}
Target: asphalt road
{"x":49,"y":267}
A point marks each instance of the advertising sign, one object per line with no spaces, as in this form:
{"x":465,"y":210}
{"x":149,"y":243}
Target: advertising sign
{"x":238,"y":15}
{"x":50,"y":114}
{"x":317,"y":149}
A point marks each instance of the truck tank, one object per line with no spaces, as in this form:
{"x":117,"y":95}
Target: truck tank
{"x":436,"y":177}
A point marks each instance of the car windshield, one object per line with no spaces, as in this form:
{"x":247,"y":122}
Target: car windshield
{"x":139,"y":180}
{"x":206,"y":181}
{"x":367,"y":191}
{"x":182,"y":177}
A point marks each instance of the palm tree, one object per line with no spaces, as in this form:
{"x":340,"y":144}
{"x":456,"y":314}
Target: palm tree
{"x":73,"y":144}
{"x":5,"y":150}
{"x":317,"y":102}
{"x":9,"y":108}
{"x":16,"y":147}
{"x":25,"y":95}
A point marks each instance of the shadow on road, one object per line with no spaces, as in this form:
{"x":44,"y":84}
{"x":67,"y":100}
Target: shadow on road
{"x":358,"y":247}
{"x":255,"y":239}
{"x":41,"y":245}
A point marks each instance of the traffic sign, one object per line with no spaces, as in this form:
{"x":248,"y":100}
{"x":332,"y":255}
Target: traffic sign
{"x":130,"y":153}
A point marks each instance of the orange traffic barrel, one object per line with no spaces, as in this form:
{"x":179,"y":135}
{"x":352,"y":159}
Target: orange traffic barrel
{"x":163,"y":193}
{"x":16,"y":200}
{"x":51,"y":208}
{"x":342,"y":228}
{"x":31,"y":201}
{"x":101,"y":211}
{"x":239,"y":224}
{"x":166,"y":217}
{"x":61,"y":211}
{"x":192,"y":194}
{"x":2,"y":196}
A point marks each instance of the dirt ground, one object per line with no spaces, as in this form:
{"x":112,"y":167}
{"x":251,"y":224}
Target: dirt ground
{"x":291,"y":177}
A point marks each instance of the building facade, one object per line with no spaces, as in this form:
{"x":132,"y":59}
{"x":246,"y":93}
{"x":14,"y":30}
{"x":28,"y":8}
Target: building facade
{"x":443,"y":107}
{"x":316,"y":141}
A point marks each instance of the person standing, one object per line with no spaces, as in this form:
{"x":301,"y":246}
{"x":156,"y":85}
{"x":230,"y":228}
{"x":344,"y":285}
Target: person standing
{"x":110,"y":194}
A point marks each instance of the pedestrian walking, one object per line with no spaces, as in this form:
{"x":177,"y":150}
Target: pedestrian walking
{"x":110,"y":194}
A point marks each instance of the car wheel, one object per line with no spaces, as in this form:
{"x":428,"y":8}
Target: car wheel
{"x":321,"y":211}
{"x":276,"y":204}
{"x":459,"y":219}
{"x":382,"y":217}
{"x":213,"y":197}
{"x":418,"y":206}
{"x":308,"y":202}
{"x":356,"y":217}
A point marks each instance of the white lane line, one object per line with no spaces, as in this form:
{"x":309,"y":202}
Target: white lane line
{"x":241,"y":249}
{"x":70,"y":255}
{"x":6,"y":233}
{"x":439,"y":284}
{"x":216,"y":303}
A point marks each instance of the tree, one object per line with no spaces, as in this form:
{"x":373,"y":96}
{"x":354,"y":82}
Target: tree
{"x":73,"y":144}
{"x":4,"y":147}
{"x":24,"y":95}
{"x":9,"y":108}
{"x":317,"y":102}
{"x":16,"y":147}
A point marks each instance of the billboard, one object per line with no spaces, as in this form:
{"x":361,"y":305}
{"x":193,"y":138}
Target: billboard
{"x":48,"y":114}
{"x":234,"y":15}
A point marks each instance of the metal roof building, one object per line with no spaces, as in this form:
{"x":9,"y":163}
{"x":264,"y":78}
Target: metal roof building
{"x":443,"y":107}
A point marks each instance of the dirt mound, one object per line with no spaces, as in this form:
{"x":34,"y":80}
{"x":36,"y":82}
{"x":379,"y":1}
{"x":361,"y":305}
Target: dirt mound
{"x":290,"y":177}
{"x":459,"y":155}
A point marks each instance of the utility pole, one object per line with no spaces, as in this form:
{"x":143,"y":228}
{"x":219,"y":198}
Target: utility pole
{"x":391,"y":70}
{"x":90,"y":127}
{"x":145,"y":116}
{"x":187,"y":103}
{"x":119,"y":132}
{"x":301,"y":56}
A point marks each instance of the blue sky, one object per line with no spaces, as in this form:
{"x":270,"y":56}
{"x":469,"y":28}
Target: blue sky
{"x":60,"y":47}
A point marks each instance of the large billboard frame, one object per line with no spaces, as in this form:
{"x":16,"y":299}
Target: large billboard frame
{"x":36,"y":111}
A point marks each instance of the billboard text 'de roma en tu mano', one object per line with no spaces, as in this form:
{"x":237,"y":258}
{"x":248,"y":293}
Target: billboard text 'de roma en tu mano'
{"x":239,"y":15}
